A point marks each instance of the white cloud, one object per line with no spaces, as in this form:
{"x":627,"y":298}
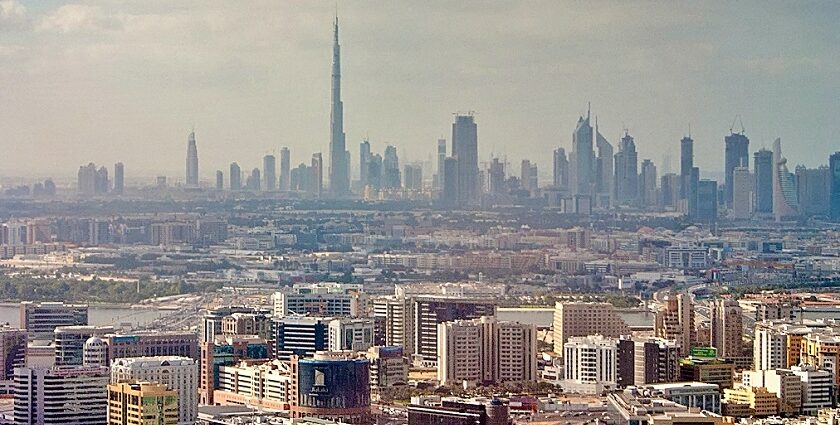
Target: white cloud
{"x":11,"y":10}
{"x":76,"y":17}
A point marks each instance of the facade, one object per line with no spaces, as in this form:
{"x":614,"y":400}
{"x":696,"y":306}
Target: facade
{"x":269,"y":173}
{"x":727,"y":332}
{"x":13,"y":351}
{"x":41,"y":319}
{"x":61,"y":395}
{"x":484,"y":351}
{"x":179,"y":374}
{"x":300,"y":336}
{"x":742,"y":193}
{"x":141,"y":404}
{"x":591,"y":364}
{"x":226,"y":351}
{"x":688,"y":185}
{"x":737,"y":147}
{"x":220,"y":180}
{"x":707,"y":200}
{"x":701,"y":395}
{"x":388,"y":368}
{"x":655,"y":360}
{"x":246,"y":324}
{"x":192,"y":161}
{"x":338,"y":172}
{"x":261,"y":384}
{"x":465,"y":150}
{"x":350,"y":334}
{"x":70,"y":342}
{"x":582,"y":160}
{"x":213,"y":322}
{"x":627,"y":172}
{"x":235,"y":177}
{"x":713,"y":371}
{"x":763,"y":171}
{"x":817,"y":387}
{"x":460,"y":412}
{"x":604,"y":168}
{"x":782,"y":383}
{"x":834,"y":185}
{"x":648,"y":194}
{"x":813,"y":191}
{"x":323,"y":299}
{"x":285,"y":169}
{"x":119,"y":178}
{"x":428,"y":312}
{"x":685,"y":257}
{"x":675,"y":321}
{"x":580,"y":319}
{"x":331,"y":386}
{"x":750,"y":401}
{"x":152,"y":343}
{"x":561,"y":169}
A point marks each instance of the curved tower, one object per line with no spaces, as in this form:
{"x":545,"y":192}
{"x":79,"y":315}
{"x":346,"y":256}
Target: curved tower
{"x":784,"y":187}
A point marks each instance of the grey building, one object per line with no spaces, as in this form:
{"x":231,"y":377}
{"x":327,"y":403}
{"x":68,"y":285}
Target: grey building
{"x":737,"y":154}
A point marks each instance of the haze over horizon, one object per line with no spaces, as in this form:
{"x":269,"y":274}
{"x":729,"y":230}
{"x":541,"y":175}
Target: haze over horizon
{"x":106,"y":81}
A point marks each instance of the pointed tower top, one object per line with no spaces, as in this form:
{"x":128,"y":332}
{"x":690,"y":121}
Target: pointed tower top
{"x":588,"y":109}
{"x":689,"y":130}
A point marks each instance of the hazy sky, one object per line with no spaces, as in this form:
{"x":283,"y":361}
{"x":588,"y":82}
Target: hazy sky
{"x":115,"y":80}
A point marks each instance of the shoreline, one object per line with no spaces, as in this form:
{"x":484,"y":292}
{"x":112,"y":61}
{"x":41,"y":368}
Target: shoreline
{"x":93,"y":304}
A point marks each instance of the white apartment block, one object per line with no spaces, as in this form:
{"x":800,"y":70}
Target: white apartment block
{"x":177,"y":373}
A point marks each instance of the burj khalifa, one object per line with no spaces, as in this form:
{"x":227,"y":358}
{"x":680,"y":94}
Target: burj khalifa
{"x":339,"y":183}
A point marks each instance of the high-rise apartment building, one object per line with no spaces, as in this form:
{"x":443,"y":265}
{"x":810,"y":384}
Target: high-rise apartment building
{"x":742,"y":193}
{"x":192,"y":161}
{"x":61,"y":395}
{"x":338,"y":172}
{"x":316,"y":180}
{"x":269,"y":173}
{"x":591,"y":364}
{"x":561,"y":169}
{"x":141,"y":404}
{"x":285,"y":169}
{"x":152,"y":343}
{"x":388,"y":368}
{"x":655,"y":360}
{"x":235,"y":177}
{"x":737,"y":154}
{"x":333,"y":386}
{"x":449,"y":195}
{"x":675,"y":321}
{"x":179,"y":374}
{"x":727,"y":332}
{"x":486,"y":351}
{"x":364,"y":160}
{"x":12,"y":351}
{"x":431,"y":311}
{"x":647,"y":184}
{"x":119,"y":178}
{"x":763,"y":170}
{"x":813,"y":191}
{"x":465,"y":150}
{"x":834,"y":186}
{"x":707,"y":200}
{"x":573,"y":319}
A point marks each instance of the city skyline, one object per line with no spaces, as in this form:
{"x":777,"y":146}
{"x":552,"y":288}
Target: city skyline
{"x":97,"y":35}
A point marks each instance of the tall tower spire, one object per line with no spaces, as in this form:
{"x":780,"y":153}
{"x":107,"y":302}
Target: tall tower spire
{"x":339,"y":183}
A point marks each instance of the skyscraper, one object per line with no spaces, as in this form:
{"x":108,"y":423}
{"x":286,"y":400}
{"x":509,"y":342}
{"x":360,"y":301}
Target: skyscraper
{"x":235,"y":176}
{"x":583,"y":158}
{"x":743,"y":184}
{"x":192,"y":161}
{"x":269,"y":173}
{"x":220,"y":180}
{"x":707,"y":200}
{"x":465,"y":150}
{"x":813,"y":193}
{"x":528,"y":176}
{"x":647,"y":184}
{"x":391,"y":168}
{"x":364,"y":159}
{"x":834,"y":185}
{"x":441,"y":157}
{"x":285,"y":170}
{"x":727,"y":331}
{"x":784,"y":188}
{"x":339,"y":182}
{"x":603,"y":168}
{"x":763,"y":170}
{"x":119,"y":178}
{"x":561,"y":169}
{"x":449,"y":195}
{"x":318,"y":172}
{"x":627,"y":171}
{"x":737,"y":154}
{"x":686,"y":164}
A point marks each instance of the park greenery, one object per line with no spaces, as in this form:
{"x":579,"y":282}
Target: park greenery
{"x":94,"y":290}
